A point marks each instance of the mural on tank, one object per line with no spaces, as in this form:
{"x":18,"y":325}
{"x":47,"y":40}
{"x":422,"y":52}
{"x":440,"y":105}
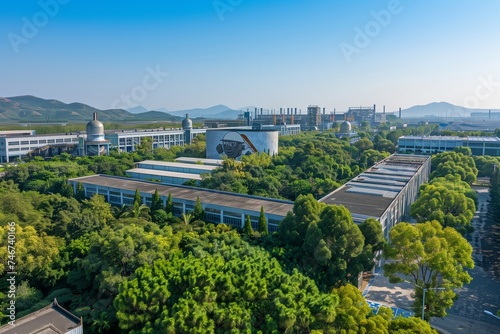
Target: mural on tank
{"x":234,"y":145}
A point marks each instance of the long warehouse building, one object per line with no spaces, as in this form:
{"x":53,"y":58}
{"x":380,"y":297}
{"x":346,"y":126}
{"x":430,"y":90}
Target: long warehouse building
{"x":385,"y":191}
{"x":220,"y":207}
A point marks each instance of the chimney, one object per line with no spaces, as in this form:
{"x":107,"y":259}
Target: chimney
{"x":489,"y":114}
{"x":261,"y":111}
{"x":399,"y":113}
{"x":324,"y":111}
{"x":94,"y":116}
{"x":384,"y":109}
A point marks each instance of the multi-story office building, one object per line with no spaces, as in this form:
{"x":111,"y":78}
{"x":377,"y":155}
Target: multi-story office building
{"x":438,"y":144}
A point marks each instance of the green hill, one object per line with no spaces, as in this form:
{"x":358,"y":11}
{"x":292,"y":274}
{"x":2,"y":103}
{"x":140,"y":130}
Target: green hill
{"x":29,"y":108}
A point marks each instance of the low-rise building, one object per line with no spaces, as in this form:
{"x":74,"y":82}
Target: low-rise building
{"x":437,"y":144}
{"x":220,"y":206}
{"x":52,"y":319}
{"x":385,"y":191}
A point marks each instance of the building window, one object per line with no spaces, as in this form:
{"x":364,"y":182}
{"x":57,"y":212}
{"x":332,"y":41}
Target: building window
{"x":33,"y":141}
{"x":24,"y":142}
{"x":14,"y":143}
{"x":61,"y":140}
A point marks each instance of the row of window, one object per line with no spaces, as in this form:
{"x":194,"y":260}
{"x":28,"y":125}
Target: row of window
{"x":42,"y":141}
{"x":212,"y":215}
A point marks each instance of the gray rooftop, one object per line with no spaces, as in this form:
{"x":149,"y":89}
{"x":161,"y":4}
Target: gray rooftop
{"x":177,"y":164}
{"x":470,"y":138}
{"x":156,"y":172}
{"x":213,"y":162}
{"x":371,"y":192}
{"x":213,"y":197}
{"x":50,"y":319}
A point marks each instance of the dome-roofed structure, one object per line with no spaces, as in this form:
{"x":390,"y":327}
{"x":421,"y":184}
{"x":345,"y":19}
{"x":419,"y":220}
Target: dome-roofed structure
{"x":345,"y":127}
{"x":95,"y":130}
{"x":187,"y":123}
{"x":96,"y":143}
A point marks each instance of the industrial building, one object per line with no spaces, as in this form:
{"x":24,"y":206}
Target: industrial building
{"x":385,"y":191}
{"x":51,"y":319}
{"x":220,"y":207}
{"x":437,"y":144}
{"x":96,"y":141}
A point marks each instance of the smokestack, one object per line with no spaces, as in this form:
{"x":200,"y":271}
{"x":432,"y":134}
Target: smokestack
{"x":261,"y":111}
{"x":324,"y":112}
{"x":295,"y":111}
{"x":489,"y":114}
{"x":94,"y":116}
{"x":384,"y":109}
{"x":399,"y":113}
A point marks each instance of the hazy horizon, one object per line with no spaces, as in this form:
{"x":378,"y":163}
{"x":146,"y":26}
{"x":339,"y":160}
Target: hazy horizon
{"x":196,"y":54}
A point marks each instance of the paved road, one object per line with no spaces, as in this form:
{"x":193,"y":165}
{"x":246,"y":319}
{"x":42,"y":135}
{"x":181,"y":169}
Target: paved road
{"x":466,"y":316}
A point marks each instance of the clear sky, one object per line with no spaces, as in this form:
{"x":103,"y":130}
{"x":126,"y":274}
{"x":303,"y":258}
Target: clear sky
{"x":198,"y":53}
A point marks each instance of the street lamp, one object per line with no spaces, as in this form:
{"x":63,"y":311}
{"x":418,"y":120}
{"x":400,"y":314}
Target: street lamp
{"x":423,"y":297}
{"x":489,"y":313}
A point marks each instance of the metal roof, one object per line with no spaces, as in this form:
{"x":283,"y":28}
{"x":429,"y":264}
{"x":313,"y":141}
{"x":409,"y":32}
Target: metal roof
{"x":176,"y":164}
{"x":50,"y":319}
{"x":370,"y":193}
{"x":214,"y":162}
{"x":145,"y":171}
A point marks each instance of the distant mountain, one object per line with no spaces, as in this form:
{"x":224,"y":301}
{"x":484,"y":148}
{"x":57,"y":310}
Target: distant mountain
{"x":137,"y":110}
{"x":29,"y":108}
{"x":440,"y":109}
{"x":228,"y":114}
{"x":211,"y":112}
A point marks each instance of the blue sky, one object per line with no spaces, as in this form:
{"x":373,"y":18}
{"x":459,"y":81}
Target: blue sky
{"x":271,"y":54}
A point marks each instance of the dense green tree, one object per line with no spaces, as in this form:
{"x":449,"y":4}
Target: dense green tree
{"x":36,"y":255}
{"x":80,"y":192}
{"x":198,"y":212}
{"x":236,"y":291}
{"x":262,"y":224}
{"x":372,"y":231}
{"x":169,"y":206}
{"x":429,"y":256}
{"x":402,"y":325}
{"x":449,"y":207}
{"x":494,"y":205}
{"x":453,"y":162}
{"x":247,"y":228}
{"x":156,"y":202}
{"x":345,"y":242}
